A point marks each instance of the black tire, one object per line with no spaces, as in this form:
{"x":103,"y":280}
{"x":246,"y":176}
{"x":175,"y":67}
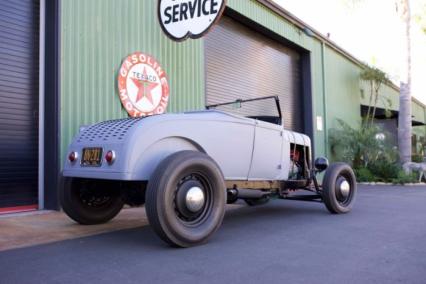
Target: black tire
{"x":336,"y":201}
{"x":257,"y":201}
{"x":167,"y":210}
{"x":90,"y":202}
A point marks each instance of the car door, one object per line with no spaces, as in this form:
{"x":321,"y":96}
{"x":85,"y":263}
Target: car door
{"x":267,"y":152}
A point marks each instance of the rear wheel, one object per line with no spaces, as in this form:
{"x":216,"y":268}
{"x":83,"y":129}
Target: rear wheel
{"x":339,"y":188}
{"x":186,"y":197}
{"x":90,"y":202}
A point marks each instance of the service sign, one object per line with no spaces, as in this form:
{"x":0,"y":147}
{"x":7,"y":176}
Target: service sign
{"x":182,"y":19}
{"x":142,"y":85}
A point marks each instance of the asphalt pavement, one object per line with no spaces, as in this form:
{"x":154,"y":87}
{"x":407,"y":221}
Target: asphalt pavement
{"x":383,"y":240}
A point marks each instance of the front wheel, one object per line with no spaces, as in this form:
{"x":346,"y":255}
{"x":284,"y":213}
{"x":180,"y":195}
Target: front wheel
{"x":185,"y":199}
{"x":339,"y":188}
{"x":90,"y":202}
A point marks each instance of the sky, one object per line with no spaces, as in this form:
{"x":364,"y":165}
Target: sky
{"x":372,"y":31}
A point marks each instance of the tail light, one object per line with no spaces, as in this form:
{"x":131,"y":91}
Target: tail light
{"x":110,"y":157}
{"x":72,"y":157}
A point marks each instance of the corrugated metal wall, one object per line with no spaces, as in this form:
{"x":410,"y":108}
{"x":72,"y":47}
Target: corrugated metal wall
{"x":253,"y":66}
{"x":19,"y":64}
{"x":389,"y":95}
{"x":274,"y":22}
{"x":337,"y":91}
{"x":342,"y":89}
{"x":96,"y":36}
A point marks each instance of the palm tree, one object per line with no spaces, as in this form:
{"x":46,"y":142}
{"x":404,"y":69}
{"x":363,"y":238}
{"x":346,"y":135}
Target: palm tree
{"x":404,"y":118}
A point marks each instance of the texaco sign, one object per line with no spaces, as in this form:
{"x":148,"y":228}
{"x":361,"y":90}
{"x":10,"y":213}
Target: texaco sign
{"x":182,"y":19}
{"x":143,"y":85}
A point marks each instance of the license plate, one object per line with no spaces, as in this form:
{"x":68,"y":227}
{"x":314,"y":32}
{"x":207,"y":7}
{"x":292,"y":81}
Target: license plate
{"x":92,"y":157}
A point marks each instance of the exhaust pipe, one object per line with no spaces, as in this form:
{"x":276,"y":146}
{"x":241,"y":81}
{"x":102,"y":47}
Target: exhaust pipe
{"x":234,"y":194}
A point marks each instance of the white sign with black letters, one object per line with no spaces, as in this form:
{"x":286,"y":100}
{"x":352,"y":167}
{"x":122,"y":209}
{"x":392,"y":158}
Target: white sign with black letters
{"x":182,"y":19}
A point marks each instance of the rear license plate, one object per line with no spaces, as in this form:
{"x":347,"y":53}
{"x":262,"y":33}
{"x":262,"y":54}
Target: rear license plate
{"x":92,"y":157}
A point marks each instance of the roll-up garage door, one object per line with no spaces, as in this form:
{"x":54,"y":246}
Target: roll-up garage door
{"x":19,"y":50}
{"x":242,"y":63}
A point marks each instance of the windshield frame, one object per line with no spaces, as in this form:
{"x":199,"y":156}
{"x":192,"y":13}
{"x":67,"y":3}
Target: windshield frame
{"x":240,"y":101}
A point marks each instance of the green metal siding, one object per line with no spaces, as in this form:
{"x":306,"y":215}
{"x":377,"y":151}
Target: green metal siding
{"x":271,"y":20}
{"x":96,"y":36}
{"x":343,"y":91}
{"x":418,"y":112}
{"x":386,"y":93}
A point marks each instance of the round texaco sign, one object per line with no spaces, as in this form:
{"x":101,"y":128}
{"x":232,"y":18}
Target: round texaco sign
{"x":143,"y":85}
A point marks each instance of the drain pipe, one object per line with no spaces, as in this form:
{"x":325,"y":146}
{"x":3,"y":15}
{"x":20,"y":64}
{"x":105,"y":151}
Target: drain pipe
{"x":41,"y":108}
{"x":324,"y":98}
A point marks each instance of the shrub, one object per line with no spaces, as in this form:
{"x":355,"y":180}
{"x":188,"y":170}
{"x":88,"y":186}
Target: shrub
{"x":370,"y":153}
{"x":384,"y":171}
{"x":364,"y":175}
{"x":360,"y":146}
{"x":417,"y":158}
{"x":403,"y":178}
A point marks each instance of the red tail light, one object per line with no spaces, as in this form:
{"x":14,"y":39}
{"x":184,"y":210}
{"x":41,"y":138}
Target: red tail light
{"x":110,"y":157}
{"x":72,"y":157}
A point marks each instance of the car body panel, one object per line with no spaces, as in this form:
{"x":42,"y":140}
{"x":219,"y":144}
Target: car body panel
{"x":244,"y":148}
{"x":267,"y":158}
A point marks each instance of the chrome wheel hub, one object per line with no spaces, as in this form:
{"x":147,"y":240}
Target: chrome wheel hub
{"x":194,"y":199}
{"x":343,"y":189}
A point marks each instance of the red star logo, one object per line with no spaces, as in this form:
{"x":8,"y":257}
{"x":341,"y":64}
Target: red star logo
{"x":145,"y":87}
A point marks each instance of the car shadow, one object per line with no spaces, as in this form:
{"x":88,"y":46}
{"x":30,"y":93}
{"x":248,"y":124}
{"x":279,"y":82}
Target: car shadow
{"x":245,"y":218}
{"x":248,"y":219}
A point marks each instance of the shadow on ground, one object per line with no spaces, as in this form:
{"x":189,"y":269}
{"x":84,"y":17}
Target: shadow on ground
{"x":381,"y":241}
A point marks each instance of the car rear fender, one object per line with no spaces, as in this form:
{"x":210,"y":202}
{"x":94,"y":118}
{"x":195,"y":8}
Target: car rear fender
{"x":149,"y":159}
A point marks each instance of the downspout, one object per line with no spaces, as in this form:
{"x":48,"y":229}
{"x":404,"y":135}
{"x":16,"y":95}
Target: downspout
{"x":41,"y":106}
{"x":324,"y":98}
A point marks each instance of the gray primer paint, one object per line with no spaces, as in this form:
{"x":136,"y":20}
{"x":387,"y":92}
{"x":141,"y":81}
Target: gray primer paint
{"x":244,"y":148}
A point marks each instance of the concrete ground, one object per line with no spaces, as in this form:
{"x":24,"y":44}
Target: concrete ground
{"x":383,"y":240}
{"x":40,"y":227}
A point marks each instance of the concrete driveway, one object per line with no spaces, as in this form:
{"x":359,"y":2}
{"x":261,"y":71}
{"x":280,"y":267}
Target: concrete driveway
{"x":383,"y":240}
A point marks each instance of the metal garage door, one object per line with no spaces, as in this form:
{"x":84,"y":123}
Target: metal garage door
{"x":19,"y":26}
{"x":242,"y":63}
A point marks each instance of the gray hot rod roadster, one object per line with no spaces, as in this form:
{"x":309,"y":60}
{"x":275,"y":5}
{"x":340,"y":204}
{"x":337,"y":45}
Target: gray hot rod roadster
{"x":185,"y":168}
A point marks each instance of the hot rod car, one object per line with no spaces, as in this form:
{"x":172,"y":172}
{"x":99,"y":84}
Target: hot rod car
{"x":185,"y":168}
